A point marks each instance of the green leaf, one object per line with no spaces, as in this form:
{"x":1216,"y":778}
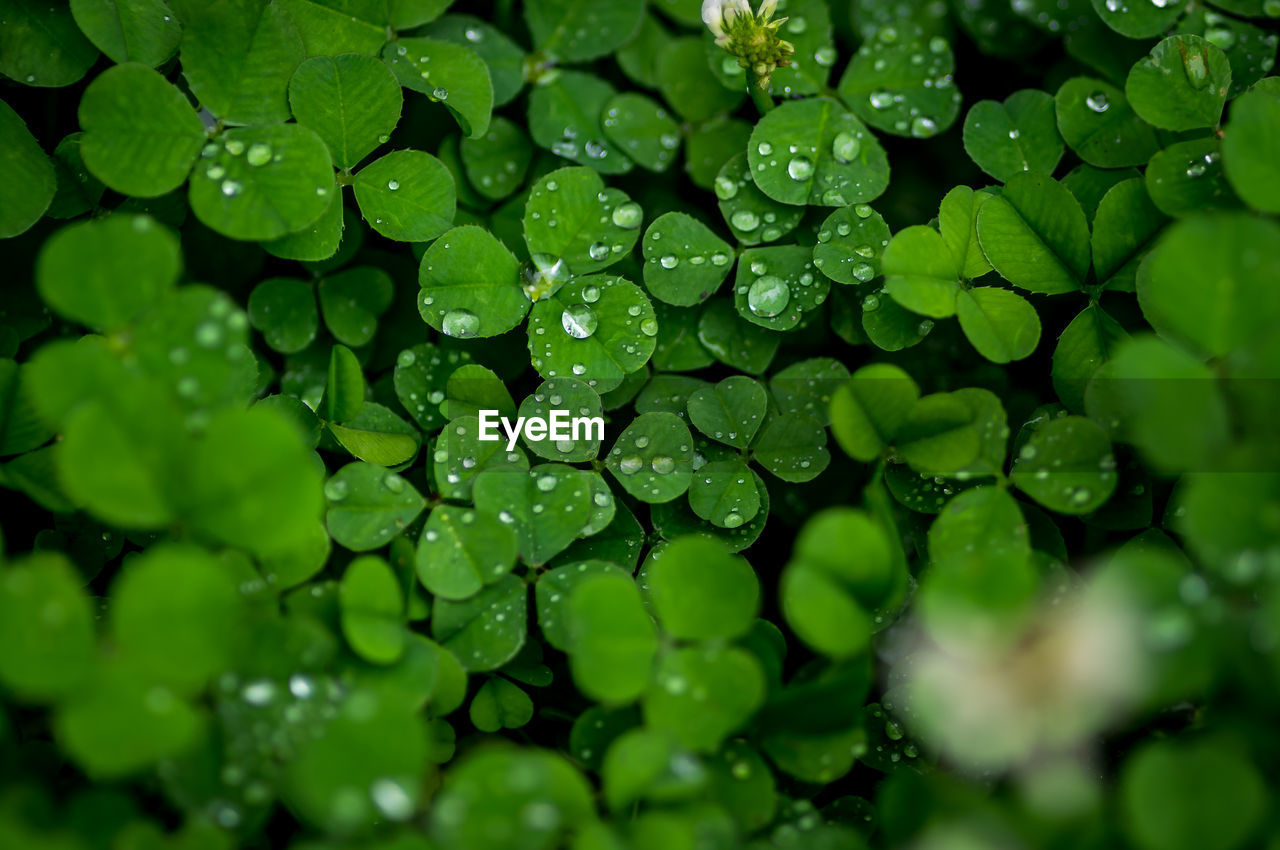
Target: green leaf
{"x":814,"y":152}
{"x":321,"y":240}
{"x":121,"y":723}
{"x":1001,"y":325}
{"x":460,"y":456}
{"x":565,"y":118}
{"x":1195,"y":793}
{"x":776,"y":287}
{"x":753,"y":217}
{"x":921,"y":273}
{"x":369,"y":506}
{"x":344,"y":392}
{"x":641,"y":127}
{"x":141,"y":137}
{"x":351,"y":301}
{"x":850,"y":243}
{"x":868,"y":411}
{"x":406,"y":195}
{"x":473,"y":289}
{"x":352,"y":102}
{"x":43,"y":657}
{"x":1206,"y":284}
{"x":700,"y":591}
{"x":449,"y":73}
{"x":104,"y":273}
{"x":1188,"y":177}
{"x":958,"y":223}
{"x":1035,"y":235}
{"x":588,"y":330}
{"x":500,"y":704}
{"x":652,"y":457}
{"x":575,"y":396}
{"x":485,"y":631}
{"x":806,"y":387}
{"x":731,"y":411}
{"x":472,"y":388}
{"x":372,"y":608}
{"x":980,"y":582}
{"x":504,"y":57}
{"x":31,"y":180}
{"x":143,"y":31}
{"x":905,"y":88}
{"x":332,"y":27}
{"x":685,"y":262}
{"x":613,"y":642}
{"x":420,"y":378}
{"x":1123,"y":229}
{"x":1162,"y":400}
{"x":724,"y":493}
{"x":262,"y":182}
{"x":793,"y":447}
{"x":735,"y":341}
{"x":378,"y":436}
{"x":554,"y":591}
{"x":237,"y":57}
{"x":1138,"y":20}
{"x":1255,"y":117}
{"x":284,"y":310}
{"x":808,"y":29}
{"x":688,"y":85}
{"x":938,"y":436}
{"x":40,"y":45}
{"x":547,"y":506}
{"x":462,"y":550}
{"x":1181,"y":85}
{"x":575,"y":32}
{"x":254,"y":483}
{"x":1067,"y":466}
{"x":572,"y":216}
{"x":1098,"y":123}
{"x":497,"y":161}
{"x":702,"y":696}
{"x":1085,"y":344}
{"x":1018,"y":135}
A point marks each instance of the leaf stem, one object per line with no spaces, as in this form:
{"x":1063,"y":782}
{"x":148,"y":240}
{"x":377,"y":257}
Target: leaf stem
{"x":763,"y":100}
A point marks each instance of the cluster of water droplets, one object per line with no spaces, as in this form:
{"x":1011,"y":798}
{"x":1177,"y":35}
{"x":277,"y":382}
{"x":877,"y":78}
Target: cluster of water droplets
{"x":429,"y":88}
{"x":672,"y":257}
{"x":635,"y":129}
{"x":222,"y":330}
{"x":770,"y":294}
{"x":256,"y":155}
{"x":570,"y":146}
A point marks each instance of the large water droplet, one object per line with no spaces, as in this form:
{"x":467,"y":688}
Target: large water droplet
{"x":923,"y":128}
{"x":1097,"y":101}
{"x":800,"y":168}
{"x":598,"y":251}
{"x":726,"y":188}
{"x":880,"y":99}
{"x":579,"y":321}
{"x":845,"y":146}
{"x":768,"y":296}
{"x":744,"y":220}
{"x":628,"y":215}
{"x":630,"y":465}
{"x":259,"y":154}
{"x":669,"y":261}
{"x":460,"y":323}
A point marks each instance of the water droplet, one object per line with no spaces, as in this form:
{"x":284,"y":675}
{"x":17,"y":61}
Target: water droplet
{"x":460,"y":323}
{"x":391,"y":799}
{"x":764,"y":148}
{"x":880,"y":99}
{"x":669,"y":261}
{"x":259,"y":154}
{"x":630,"y":465}
{"x":579,"y":321}
{"x":719,"y":259}
{"x":1098,"y":101}
{"x":406,"y":358}
{"x":628,"y":215}
{"x":598,"y":251}
{"x":662,"y":464}
{"x":440,"y":93}
{"x":744,"y":220}
{"x":235,"y":147}
{"x":871,"y":303}
{"x":726,"y":187}
{"x":922,"y":127}
{"x":800,"y":168}
{"x":768,"y":296}
{"x":825,"y":56}
{"x":845,"y":146}
{"x":231,"y":188}
{"x":208,"y":334}
{"x":393,"y":185}
{"x":864,"y":272}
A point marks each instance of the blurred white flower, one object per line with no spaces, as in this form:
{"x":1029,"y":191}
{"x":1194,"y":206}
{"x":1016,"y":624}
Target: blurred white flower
{"x":717,"y":14}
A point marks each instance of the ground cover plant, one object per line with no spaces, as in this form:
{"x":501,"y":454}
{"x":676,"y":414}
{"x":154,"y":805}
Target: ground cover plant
{"x":937,"y":503}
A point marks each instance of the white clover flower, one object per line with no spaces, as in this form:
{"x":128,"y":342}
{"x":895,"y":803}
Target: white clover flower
{"x":717,"y":13}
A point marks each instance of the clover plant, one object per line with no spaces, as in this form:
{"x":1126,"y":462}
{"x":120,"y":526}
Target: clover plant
{"x":927,"y":492}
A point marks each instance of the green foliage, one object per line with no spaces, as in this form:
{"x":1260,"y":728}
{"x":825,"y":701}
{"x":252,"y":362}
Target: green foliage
{"x":923,"y":490}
